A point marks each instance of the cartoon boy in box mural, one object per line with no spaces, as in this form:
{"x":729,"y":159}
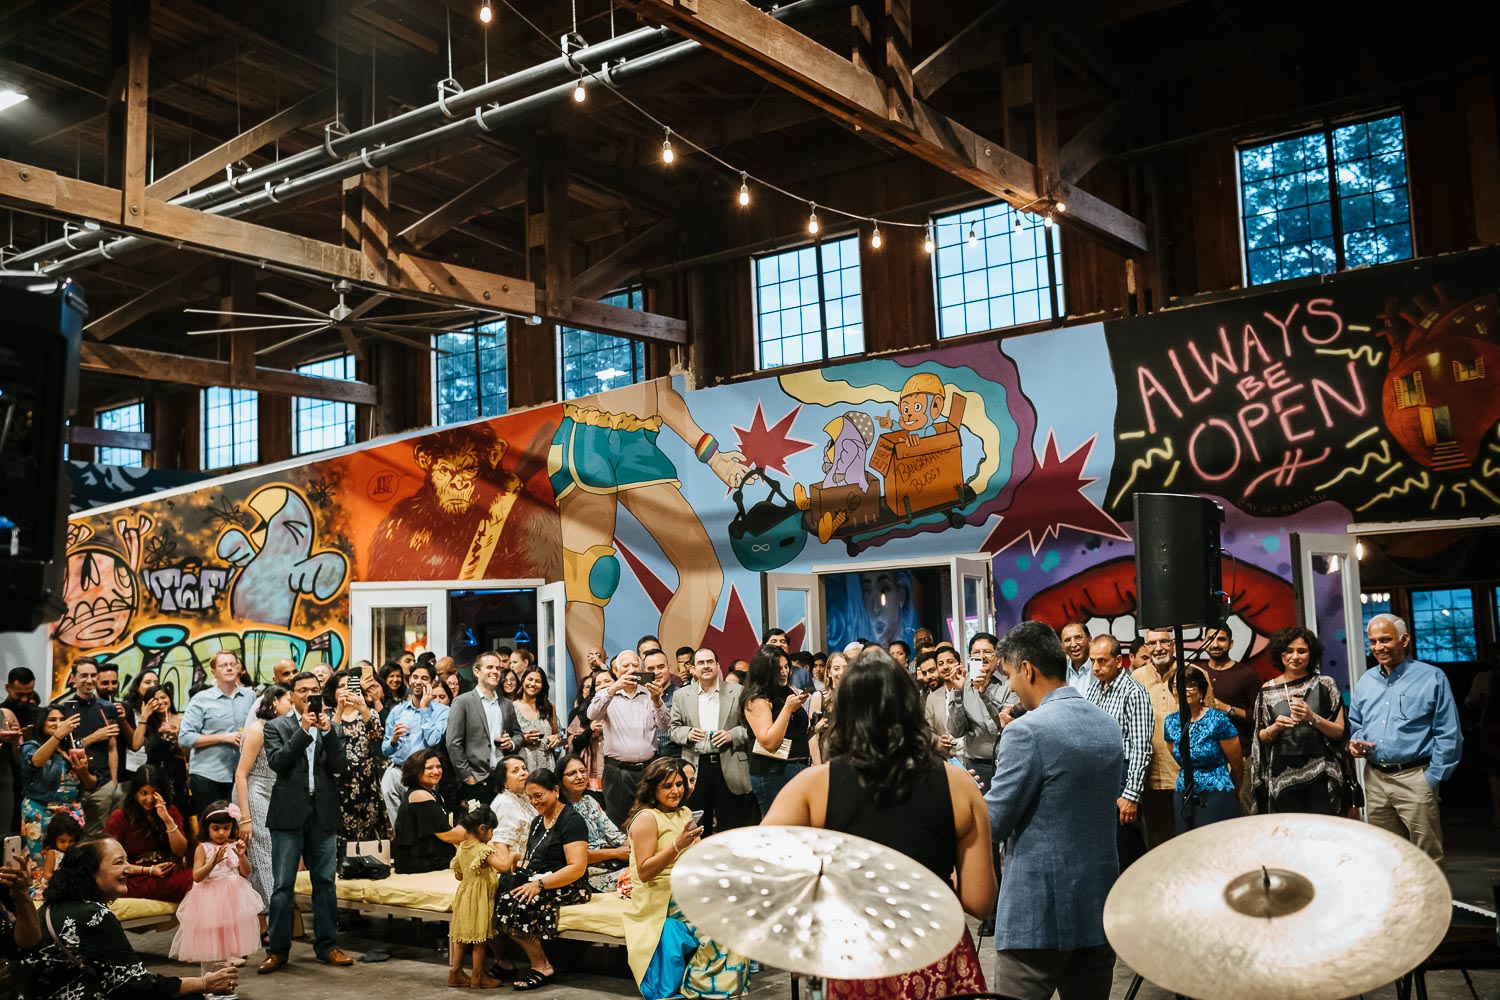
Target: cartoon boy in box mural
{"x":921,"y":466}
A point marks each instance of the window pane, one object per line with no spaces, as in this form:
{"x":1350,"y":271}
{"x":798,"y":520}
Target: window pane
{"x":594,"y":362}
{"x":319,"y":423}
{"x":1000,"y":279}
{"x":130,"y":417}
{"x":231,"y":427}
{"x":796,"y":323}
{"x":1371,"y":161}
{"x":1284,"y":203}
{"x":1443,"y":625}
{"x":469,"y":373}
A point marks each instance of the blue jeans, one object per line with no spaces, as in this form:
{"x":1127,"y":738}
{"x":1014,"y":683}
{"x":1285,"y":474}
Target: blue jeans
{"x":315,"y":846}
{"x":767,"y":786}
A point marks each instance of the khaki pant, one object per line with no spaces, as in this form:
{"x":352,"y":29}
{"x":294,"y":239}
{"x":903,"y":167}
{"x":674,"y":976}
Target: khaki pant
{"x":1406,"y":805}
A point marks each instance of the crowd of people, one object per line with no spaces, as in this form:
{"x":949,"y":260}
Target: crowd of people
{"x":1049,"y":760}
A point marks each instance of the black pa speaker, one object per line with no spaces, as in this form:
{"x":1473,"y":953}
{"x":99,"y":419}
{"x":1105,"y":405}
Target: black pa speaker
{"x":41,"y":319}
{"x":1177,"y":560}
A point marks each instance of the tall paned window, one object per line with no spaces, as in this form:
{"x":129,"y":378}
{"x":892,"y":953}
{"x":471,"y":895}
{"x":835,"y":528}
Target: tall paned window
{"x":130,"y":417}
{"x":1301,"y":219}
{"x":996,"y":267}
{"x":592,"y":362}
{"x":809,"y":306}
{"x":469,"y":375}
{"x":318,"y":424}
{"x":231,"y":427}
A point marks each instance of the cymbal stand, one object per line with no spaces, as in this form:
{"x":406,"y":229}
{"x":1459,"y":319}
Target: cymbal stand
{"x":814,"y":987}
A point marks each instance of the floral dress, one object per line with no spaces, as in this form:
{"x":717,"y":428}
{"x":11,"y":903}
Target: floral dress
{"x":538,"y":917}
{"x":361,"y":809}
{"x":538,"y":755}
{"x":602,"y":833}
{"x":47,"y":790}
{"x":112,"y":970}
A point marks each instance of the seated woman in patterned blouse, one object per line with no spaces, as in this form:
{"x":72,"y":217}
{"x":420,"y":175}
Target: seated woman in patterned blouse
{"x":1214,"y":744}
{"x":609,"y":850}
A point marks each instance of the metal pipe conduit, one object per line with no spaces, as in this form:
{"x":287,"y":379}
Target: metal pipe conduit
{"x":459,"y":106}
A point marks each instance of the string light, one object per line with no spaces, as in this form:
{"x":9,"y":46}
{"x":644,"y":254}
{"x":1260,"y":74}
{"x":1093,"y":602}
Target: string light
{"x":812,"y":217}
{"x":486,"y":15}
{"x":667,"y":156}
{"x":1061,"y":207}
{"x":973,"y":236}
{"x":1019,"y":224}
{"x":875,"y":237}
{"x":744,"y":188}
{"x":927,"y":242}
{"x":579,"y":93}
{"x":1047,"y":220}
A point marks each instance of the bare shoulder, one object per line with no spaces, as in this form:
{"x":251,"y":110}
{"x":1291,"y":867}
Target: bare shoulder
{"x":420,"y":795}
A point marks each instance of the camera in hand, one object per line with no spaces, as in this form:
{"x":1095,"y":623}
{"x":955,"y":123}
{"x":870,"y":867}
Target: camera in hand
{"x":644,"y":677}
{"x":314,"y":704}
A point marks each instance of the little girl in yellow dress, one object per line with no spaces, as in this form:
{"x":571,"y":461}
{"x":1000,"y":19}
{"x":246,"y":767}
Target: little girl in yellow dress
{"x":475,"y":865}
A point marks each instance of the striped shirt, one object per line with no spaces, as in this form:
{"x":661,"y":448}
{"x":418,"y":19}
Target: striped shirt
{"x":1130,"y":704}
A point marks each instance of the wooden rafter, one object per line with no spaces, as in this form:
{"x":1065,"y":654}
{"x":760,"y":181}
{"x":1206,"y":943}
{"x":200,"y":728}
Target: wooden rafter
{"x":501,"y":189}
{"x":779,"y":53}
{"x":978,"y":44}
{"x":98,"y":437}
{"x":160,"y":367}
{"x":173,"y":291}
{"x":625,"y":263}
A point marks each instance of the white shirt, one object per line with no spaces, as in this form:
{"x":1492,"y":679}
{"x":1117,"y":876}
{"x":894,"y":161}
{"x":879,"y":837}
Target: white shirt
{"x":513,"y":816}
{"x":708,"y":717}
{"x":312,"y":752}
{"x":494,"y":720}
{"x":1078,"y":679}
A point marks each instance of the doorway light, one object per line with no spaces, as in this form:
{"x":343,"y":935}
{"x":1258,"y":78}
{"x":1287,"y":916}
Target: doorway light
{"x":1359,"y":550}
{"x":10,"y":98}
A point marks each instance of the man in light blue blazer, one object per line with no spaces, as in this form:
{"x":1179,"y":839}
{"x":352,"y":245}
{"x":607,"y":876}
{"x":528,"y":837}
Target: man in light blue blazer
{"x":1061,"y":768}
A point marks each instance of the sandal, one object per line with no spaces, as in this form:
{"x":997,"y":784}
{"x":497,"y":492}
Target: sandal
{"x":533,"y":980}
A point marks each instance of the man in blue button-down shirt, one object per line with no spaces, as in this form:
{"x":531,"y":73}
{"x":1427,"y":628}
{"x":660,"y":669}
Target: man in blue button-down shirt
{"x":415,"y":724}
{"x":211,"y":730}
{"x":1404,"y":723}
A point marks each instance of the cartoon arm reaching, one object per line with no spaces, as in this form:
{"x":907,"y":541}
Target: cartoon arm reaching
{"x":729,"y":466}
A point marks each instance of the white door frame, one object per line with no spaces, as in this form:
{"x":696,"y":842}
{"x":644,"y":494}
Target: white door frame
{"x":1344,"y":546}
{"x":406,"y":593}
{"x":808,"y":584}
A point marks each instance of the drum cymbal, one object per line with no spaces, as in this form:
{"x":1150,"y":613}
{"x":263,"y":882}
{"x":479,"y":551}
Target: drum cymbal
{"x":817,"y":902}
{"x":1298,"y":907}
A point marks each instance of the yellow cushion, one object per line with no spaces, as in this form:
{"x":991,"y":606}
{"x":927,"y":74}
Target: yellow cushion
{"x":126,"y":908}
{"x":417,"y":891}
{"x":350,"y":890}
{"x":603,"y":914}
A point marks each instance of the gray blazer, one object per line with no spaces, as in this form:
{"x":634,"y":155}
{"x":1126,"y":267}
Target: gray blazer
{"x":1060,"y":769}
{"x":469,"y":739}
{"x":734,"y":760}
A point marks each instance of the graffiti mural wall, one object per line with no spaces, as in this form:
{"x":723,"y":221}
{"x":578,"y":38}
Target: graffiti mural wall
{"x":1368,"y":397}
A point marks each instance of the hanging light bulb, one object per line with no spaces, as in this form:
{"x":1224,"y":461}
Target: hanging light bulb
{"x":1047,"y":220}
{"x":973,"y":236}
{"x":1061,"y":207}
{"x":744,"y":189}
{"x":927,"y":242}
{"x":1019,"y":223}
{"x":875,"y":237}
{"x":486,"y":15}
{"x":667,"y":156}
{"x":812,"y":217}
{"x":579,"y":93}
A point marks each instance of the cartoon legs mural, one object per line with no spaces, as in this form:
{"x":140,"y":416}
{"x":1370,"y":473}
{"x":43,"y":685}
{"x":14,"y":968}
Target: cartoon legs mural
{"x":600,"y":460}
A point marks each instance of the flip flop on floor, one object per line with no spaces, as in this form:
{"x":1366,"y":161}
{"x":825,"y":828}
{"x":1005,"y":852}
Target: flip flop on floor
{"x":533,"y":980}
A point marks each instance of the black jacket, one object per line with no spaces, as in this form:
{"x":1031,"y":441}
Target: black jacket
{"x":286,"y":750}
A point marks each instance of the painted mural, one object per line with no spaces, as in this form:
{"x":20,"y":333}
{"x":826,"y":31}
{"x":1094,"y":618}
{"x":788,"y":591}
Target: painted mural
{"x":1366,"y":397}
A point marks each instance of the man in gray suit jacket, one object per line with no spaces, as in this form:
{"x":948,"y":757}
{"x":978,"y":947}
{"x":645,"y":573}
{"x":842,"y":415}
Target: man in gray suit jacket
{"x":715,"y":745}
{"x":482,"y":728}
{"x":1061,"y":768}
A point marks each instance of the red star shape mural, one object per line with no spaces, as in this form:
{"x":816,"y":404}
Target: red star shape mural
{"x":769,"y":447}
{"x":1050,"y":499}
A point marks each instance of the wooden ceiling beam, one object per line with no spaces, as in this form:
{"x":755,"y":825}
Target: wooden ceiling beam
{"x":173,"y":291}
{"x":158,"y":366}
{"x":1093,"y":143}
{"x":783,"y":55}
{"x":98,"y":437}
{"x":617,"y":268}
{"x":975,"y":46}
{"x":26,"y":17}
{"x":502,"y":189}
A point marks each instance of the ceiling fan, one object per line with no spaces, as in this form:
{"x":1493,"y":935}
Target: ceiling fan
{"x":414,"y":329}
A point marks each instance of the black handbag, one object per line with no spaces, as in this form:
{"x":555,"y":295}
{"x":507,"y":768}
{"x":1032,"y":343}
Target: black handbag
{"x":363,"y":866}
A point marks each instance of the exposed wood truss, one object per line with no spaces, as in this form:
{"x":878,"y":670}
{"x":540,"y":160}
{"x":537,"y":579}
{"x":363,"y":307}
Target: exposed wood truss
{"x":157,"y":366}
{"x":785,"y":56}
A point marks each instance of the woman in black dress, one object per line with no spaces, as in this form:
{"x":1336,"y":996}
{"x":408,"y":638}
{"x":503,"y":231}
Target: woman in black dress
{"x":777,"y":716}
{"x":885,"y":782}
{"x":552,"y":876}
{"x":425,"y":835}
{"x":1299,"y":757}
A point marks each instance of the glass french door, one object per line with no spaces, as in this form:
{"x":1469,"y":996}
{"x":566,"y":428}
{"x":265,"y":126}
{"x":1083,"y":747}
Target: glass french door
{"x":793,"y":600}
{"x":973,"y":598}
{"x":1327,"y":587}
{"x":551,"y":650}
{"x":386,"y":620}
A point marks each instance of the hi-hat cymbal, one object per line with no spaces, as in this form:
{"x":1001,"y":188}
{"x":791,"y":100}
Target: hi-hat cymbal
{"x":1297,"y":907}
{"x":817,"y":902}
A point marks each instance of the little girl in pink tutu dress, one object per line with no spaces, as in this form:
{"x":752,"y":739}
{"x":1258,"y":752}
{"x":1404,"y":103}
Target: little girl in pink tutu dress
{"x":219,"y":919}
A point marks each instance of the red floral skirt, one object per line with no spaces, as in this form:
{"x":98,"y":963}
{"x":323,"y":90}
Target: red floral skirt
{"x":956,"y":972}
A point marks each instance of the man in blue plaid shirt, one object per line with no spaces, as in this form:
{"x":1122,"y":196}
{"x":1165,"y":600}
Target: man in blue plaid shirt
{"x":1113,"y":689}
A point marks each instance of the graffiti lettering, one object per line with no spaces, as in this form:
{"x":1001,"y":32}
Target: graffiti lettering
{"x":187,"y":587}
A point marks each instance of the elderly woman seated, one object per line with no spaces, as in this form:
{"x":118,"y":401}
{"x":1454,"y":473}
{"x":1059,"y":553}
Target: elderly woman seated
{"x":609,"y":850}
{"x":84,"y":953}
{"x":425,"y":835}
{"x":667,"y":954}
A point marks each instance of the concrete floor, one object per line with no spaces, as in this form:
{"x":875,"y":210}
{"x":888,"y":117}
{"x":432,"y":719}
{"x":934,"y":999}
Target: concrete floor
{"x":419,"y":965}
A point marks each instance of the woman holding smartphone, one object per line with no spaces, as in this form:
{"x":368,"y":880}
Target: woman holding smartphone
{"x":777,"y":715}
{"x":54,"y":774}
{"x":362,"y":813}
{"x":656,"y":931}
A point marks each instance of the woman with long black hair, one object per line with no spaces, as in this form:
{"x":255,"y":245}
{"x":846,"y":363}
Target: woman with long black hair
{"x":885,"y":782}
{"x":777,"y":716}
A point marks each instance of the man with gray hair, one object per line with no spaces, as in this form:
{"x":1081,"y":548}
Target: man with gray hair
{"x":1404,"y":722}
